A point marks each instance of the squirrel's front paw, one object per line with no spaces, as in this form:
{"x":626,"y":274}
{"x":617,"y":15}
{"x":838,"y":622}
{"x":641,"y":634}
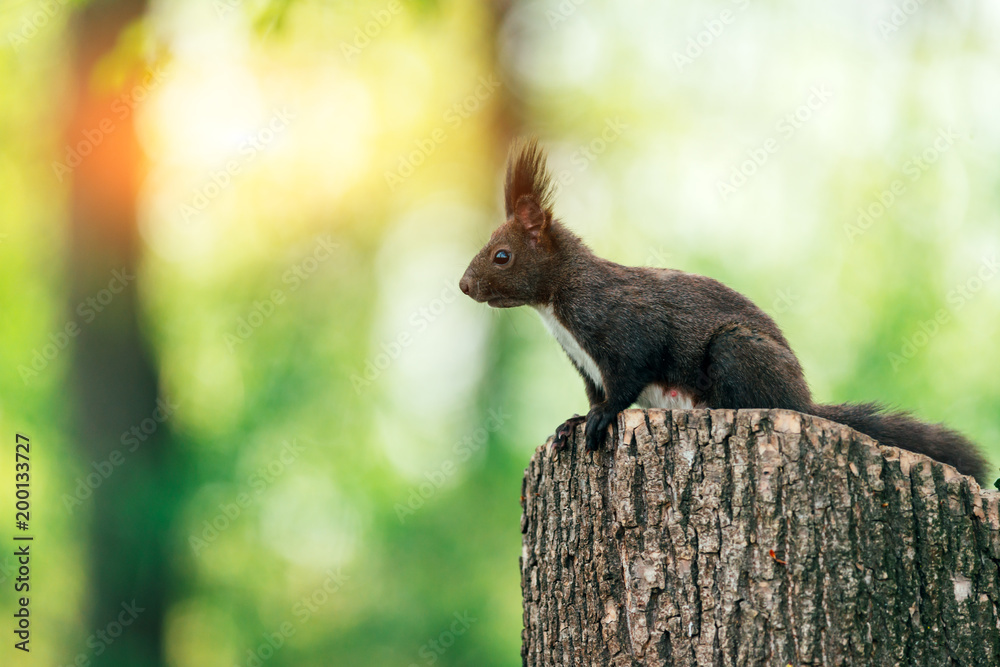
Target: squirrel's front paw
{"x":565,"y":431}
{"x":597,"y":429}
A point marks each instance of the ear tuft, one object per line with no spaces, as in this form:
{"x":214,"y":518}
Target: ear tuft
{"x":531,"y":217}
{"x":527,"y":177}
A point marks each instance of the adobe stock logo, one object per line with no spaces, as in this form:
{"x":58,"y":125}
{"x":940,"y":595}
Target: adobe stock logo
{"x":786,"y":127}
{"x":461,"y":451}
{"x":296,"y":276}
{"x":35,"y":22}
{"x":254,"y":486}
{"x":302,"y":611}
{"x":587,"y":154}
{"x":88,"y":310}
{"x":256,"y":143}
{"x":958,"y":297}
{"x":913,"y":169}
{"x":102,"y":639}
{"x":900,"y":14}
{"x":390,"y":351}
{"x":121,"y":108}
{"x":131,"y":440}
{"x":435,"y":647}
{"x":363,"y":35}
{"x":454,"y":117}
{"x":699,"y":42}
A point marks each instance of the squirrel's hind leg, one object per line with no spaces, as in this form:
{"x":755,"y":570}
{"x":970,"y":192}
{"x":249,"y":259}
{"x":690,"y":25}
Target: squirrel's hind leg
{"x":746,"y":369}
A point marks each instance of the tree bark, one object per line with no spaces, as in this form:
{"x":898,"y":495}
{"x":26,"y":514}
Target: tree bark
{"x":113,"y":375}
{"x":755,"y":537}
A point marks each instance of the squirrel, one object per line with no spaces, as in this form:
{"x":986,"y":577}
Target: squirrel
{"x":660,"y":338}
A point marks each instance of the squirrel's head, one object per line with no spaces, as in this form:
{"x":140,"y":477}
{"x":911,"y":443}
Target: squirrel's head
{"x":513,"y":267}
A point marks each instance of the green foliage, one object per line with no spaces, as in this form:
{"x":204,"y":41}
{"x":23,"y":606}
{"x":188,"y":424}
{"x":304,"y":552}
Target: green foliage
{"x":350,"y":394}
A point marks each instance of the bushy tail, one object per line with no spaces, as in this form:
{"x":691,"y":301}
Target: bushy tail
{"x":899,"y":429}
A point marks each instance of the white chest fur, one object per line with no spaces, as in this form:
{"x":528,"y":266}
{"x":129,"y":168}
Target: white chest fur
{"x":652,"y":396}
{"x":569,"y":343}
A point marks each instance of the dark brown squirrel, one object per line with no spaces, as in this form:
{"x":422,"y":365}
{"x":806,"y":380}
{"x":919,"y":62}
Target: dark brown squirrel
{"x":658,"y":337}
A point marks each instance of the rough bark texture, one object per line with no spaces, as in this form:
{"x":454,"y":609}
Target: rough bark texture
{"x":757,"y":537}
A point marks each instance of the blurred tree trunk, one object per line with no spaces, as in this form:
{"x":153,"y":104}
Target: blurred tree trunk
{"x":755,"y":538}
{"x":114,"y":379}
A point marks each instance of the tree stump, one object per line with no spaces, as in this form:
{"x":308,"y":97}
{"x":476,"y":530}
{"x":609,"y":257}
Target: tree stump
{"x":754,"y":537}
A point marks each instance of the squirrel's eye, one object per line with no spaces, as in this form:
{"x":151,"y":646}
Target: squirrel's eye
{"x":501,"y":257}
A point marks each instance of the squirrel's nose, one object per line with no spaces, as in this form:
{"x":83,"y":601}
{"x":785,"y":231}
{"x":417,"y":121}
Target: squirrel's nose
{"x":465,"y":284}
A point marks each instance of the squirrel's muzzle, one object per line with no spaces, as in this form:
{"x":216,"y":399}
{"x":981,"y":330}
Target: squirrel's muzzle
{"x":465,"y":284}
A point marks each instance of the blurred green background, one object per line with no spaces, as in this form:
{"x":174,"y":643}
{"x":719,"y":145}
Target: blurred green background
{"x":265,"y":428}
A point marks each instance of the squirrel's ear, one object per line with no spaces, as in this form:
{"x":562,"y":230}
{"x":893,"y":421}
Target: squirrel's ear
{"x":531,"y":218}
